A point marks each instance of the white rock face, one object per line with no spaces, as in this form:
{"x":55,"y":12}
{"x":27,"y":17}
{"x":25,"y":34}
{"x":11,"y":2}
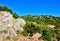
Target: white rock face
{"x":36,"y":35}
{"x":9,"y":24}
{"x":18,"y":22}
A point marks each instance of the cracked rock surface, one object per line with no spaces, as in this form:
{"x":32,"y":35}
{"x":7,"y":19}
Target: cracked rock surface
{"x":9,"y":25}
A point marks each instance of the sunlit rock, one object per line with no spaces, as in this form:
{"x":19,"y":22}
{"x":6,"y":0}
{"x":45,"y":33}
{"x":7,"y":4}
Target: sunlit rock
{"x":51,"y":26}
{"x":9,"y":25}
{"x":36,"y":35}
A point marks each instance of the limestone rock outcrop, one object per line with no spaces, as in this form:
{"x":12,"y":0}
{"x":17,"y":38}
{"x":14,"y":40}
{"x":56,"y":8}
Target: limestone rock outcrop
{"x":9,"y":25}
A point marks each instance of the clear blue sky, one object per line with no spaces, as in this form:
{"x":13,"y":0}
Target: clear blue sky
{"x":33,"y":7}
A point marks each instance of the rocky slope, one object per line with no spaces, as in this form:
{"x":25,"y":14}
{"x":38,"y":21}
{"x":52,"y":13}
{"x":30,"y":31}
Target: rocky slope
{"x":10,"y":27}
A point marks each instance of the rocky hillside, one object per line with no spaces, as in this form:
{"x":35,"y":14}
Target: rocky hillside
{"x":11,"y":28}
{"x":9,"y":25}
{"x":28,"y":28}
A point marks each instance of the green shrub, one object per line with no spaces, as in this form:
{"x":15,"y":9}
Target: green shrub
{"x":8,"y":38}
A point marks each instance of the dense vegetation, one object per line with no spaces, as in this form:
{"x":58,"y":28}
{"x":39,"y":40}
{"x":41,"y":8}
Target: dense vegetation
{"x":39,"y":24}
